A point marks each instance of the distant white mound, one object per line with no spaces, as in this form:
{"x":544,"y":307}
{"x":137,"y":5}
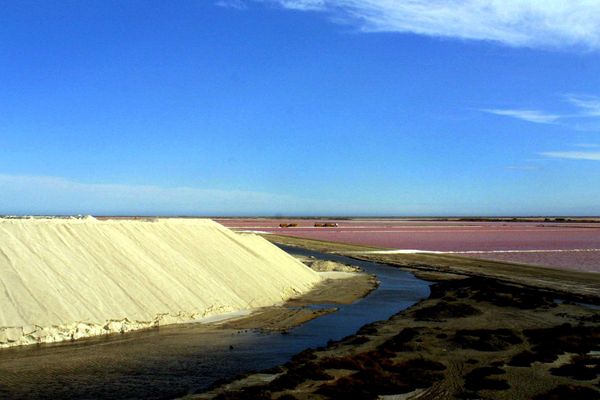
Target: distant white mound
{"x":63,"y":279}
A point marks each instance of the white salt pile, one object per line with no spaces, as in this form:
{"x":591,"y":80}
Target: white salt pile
{"x":63,"y":279}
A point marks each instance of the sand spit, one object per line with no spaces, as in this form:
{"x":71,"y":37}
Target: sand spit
{"x":65,"y":279}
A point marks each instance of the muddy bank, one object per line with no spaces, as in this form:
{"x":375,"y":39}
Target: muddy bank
{"x":474,"y":337}
{"x":321,"y":300}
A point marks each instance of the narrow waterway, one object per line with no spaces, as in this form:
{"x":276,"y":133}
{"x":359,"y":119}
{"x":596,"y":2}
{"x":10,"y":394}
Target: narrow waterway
{"x":173,"y":361}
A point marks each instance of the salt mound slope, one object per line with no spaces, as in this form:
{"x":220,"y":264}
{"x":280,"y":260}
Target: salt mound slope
{"x":69,"y":278}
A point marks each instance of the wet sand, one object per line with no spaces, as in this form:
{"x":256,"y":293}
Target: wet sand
{"x":488,"y":330}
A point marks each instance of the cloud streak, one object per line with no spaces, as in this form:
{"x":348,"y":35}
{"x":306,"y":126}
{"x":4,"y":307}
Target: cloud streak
{"x":237,"y":4}
{"x":573,"y":155}
{"x":519,"y":23}
{"x":587,"y":107}
{"x":535,"y":116}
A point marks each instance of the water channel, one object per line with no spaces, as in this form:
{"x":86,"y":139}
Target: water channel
{"x":173,"y":361}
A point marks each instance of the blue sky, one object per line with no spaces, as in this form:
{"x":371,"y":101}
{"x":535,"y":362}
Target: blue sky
{"x":300,"y":107}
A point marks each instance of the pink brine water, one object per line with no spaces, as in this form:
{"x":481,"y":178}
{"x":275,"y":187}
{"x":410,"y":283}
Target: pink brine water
{"x":564,"y":245}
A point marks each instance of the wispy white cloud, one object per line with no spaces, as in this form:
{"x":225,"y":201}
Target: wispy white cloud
{"x":573,"y":155}
{"x":237,"y":4}
{"x":588,"y":105}
{"x":303,"y":5}
{"x":587,"y":111}
{"x":522,"y":23}
{"x":536,"y":116}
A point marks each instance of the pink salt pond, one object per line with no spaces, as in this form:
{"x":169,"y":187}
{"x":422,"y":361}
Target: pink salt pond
{"x":573,"y":246}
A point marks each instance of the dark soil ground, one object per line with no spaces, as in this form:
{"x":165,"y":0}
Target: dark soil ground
{"x":475,"y":337}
